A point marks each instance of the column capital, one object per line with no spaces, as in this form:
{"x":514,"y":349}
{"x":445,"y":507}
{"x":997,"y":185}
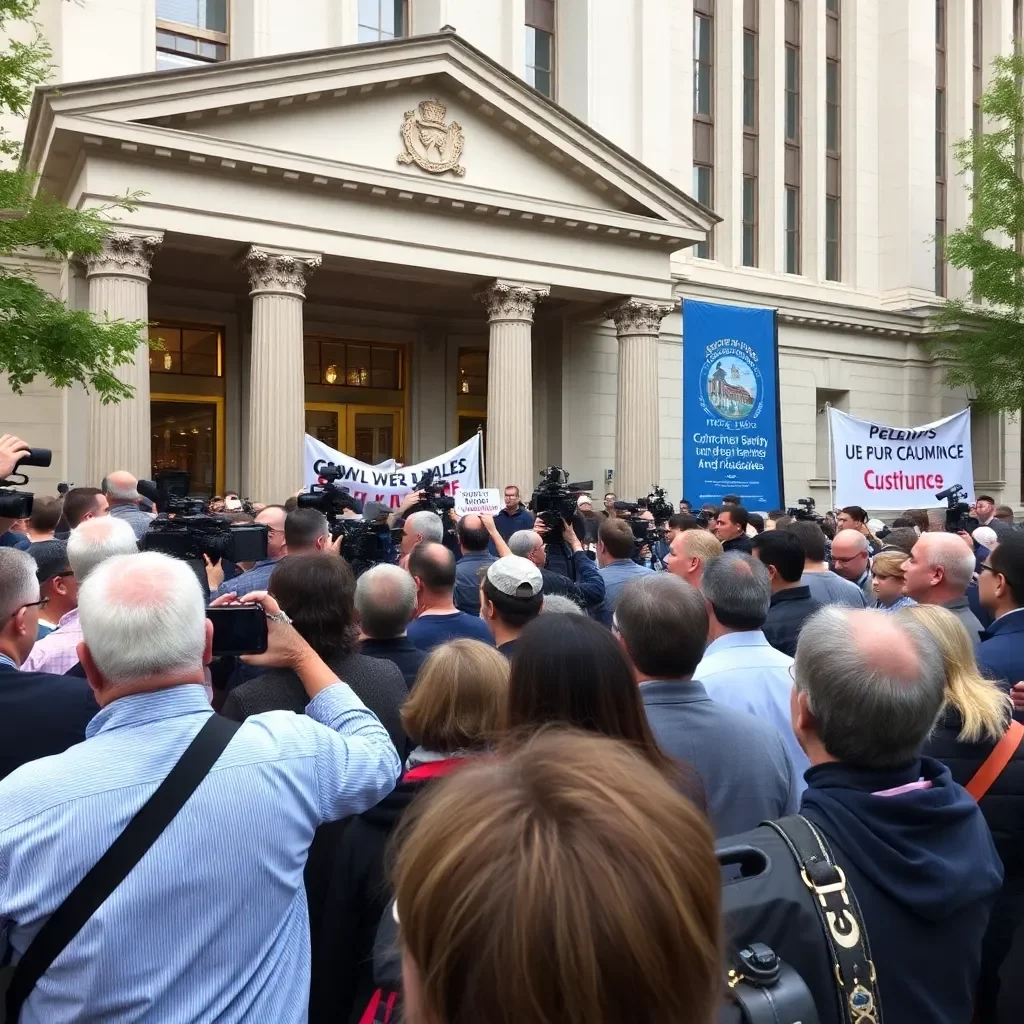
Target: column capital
{"x":124,"y":254}
{"x":279,"y":271}
{"x":638,"y":316}
{"x":508,"y":301}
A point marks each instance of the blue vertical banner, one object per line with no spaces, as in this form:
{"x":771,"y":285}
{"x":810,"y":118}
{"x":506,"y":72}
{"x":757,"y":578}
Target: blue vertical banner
{"x":732,"y":440}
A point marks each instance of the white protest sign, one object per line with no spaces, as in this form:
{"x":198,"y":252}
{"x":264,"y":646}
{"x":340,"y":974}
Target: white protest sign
{"x":486,"y":502}
{"x":884,"y":467}
{"x":388,"y":483}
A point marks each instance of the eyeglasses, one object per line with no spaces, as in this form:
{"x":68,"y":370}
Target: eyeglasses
{"x":40,"y":604}
{"x":61,"y":575}
{"x":988,"y":568}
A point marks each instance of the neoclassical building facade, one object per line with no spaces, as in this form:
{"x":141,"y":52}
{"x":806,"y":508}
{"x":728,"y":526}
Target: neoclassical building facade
{"x":366,"y":226}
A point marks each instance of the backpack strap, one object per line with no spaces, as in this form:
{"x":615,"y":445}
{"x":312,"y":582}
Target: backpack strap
{"x":999,"y":757}
{"x":114,"y":866}
{"x":841,"y":920}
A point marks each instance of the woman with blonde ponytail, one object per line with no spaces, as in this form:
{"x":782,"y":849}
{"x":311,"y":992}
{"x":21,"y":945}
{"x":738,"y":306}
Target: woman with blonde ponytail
{"x":975,"y":717}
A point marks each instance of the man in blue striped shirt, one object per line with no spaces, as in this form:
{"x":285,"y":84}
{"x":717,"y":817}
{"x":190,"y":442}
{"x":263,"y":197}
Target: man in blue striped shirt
{"x":211,"y":924}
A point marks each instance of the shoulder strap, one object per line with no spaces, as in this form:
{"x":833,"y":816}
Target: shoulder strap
{"x":841,"y":920}
{"x":124,"y":853}
{"x":999,"y":757}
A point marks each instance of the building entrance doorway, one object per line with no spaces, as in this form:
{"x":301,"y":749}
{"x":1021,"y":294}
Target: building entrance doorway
{"x":369,"y":433}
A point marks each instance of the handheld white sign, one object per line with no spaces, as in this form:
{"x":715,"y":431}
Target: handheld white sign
{"x":486,"y":502}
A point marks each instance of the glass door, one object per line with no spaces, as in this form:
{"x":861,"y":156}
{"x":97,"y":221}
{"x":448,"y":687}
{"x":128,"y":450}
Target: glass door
{"x":371,"y":434}
{"x":188,"y":434}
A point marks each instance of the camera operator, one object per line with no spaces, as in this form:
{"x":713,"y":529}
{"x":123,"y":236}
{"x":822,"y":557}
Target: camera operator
{"x":40,"y":713}
{"x":12,"y":449}
{"x":231,"y":863}
{"x":258,"y":577}
{"x":587,"y":590}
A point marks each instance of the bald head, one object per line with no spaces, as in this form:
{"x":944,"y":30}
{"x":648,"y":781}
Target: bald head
{"x":385,"y":601}
{"x":939,"y":569}
{"x":434,"y":566}
{"x":96,"y":540}
{"x":874,"y":684}
{"x":473,"y":535}
{"x":850,"y":554}
{"x":121,"y":487}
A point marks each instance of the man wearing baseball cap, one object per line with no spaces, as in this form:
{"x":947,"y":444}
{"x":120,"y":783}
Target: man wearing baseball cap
{"x":510,"y":598}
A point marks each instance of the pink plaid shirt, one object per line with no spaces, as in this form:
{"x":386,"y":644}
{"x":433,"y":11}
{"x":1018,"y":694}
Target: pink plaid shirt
{"x":57,"y":651}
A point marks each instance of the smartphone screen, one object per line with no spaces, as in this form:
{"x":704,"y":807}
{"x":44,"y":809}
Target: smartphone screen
{"x":238,"y":629}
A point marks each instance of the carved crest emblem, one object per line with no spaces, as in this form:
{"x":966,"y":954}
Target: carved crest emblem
{"x":429,"y":142}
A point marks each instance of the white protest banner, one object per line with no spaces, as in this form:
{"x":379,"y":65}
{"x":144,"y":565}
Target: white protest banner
{"x":389,"y":483}
{"x":882,"y":467}
{"x":486,"y":502}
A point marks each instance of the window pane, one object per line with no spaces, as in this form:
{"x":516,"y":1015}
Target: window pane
{"x":702,"y":89}
{"x":208,"y":14}
{"x":332,"y":362}
{"x":199,"y":352}
{"x":749,"y":246}
{"x":472,"y":372}
{"x":792,"y":209}
{"x":357,"y":366}
{"x":702,"y":39}
{"x":369,"y":13}
{"x":702,"y":185}
{"x":749,"y":188}
{"x":168,"y":359}
{"x":311,"y":362}
{"x":542,"y":50}
{"x":184,"y":437}
{"x":384,"y":368}
{"x":792,"y":68}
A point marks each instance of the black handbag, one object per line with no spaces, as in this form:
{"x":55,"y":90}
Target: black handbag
{"x":114,"y":866}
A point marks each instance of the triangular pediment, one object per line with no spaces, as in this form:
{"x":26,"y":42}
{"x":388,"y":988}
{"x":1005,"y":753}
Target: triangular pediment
{"x":346,"y":108}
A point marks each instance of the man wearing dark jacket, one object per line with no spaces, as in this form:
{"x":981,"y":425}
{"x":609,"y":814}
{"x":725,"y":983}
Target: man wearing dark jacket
{"x":792,"y":604}
{"x":730,"y":527}
{"x":40,"y":713}
{"x":1001,"y":590}
{"x":473,"y":540}
{"x":513,"y":517}
{"x":913,"y":845}
{"x":385,"y":603}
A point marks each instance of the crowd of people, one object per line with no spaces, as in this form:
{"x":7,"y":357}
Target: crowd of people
{"x":520,"y":775}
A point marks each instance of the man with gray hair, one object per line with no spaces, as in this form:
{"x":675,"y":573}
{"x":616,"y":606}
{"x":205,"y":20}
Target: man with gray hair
{"x":740,"y":668}
{"x":40,"y":713}
{"x":939,"y":571}
{"x":587,"y":589}
{"x":912,"y":844}
{"x":230,"y":862}
{"x":661,"y":623}
{"x":420,"y":526}
{"x":385,"y":604}
{"x":122,"y":491}
{"x":90,"y":544}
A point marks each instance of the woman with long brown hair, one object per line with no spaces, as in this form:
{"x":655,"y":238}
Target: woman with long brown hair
{"x":569,"y":883}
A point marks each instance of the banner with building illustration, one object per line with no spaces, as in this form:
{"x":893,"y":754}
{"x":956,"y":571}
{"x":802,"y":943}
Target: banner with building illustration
{"x":883,"y":467}
{"x":459,"y":469}
{"x":731,"y":430}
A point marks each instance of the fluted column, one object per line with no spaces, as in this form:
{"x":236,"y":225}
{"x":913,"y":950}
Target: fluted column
{"x":510,"y":384}
{"x":277,"y":417}
{"x":119,"y":290}
{"x":637,"y":449}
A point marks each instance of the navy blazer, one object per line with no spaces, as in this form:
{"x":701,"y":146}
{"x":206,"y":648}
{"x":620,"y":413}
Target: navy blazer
{"x":1001,"y":651}
{"x":40,"y":714}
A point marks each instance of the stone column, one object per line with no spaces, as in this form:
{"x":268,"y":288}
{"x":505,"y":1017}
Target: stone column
{"x":118,"y":279}
{"x":277,"y":392}
{"x":509,"y":451}
{"x":637,"y":450}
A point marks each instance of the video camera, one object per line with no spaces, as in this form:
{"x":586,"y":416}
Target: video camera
{"x":958,"y":512}
{"x":363,"y":544}
{"x":804,"y":511}
{"x":184,"y":529}
{"x":18,"y":504}
{"x":554,"y":500}
{"x":645,"y":531}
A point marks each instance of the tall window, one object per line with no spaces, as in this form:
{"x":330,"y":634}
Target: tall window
{"x":792,"y":137}
{"x":540,"y":45}
{"x":833,"y":140}
{"x":750,"y":98}
{"x":190,"y":32}
{"x":940,"y":145}
{"x":383,"y":19}
{"x":704,"y":111}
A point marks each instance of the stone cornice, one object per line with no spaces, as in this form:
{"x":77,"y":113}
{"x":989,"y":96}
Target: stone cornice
{"x":506,"y":301}
{"x":273,"y":272}
{"x":124,"y":254}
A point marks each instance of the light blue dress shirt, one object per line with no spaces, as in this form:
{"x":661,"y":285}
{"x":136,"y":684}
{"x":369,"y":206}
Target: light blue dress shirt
{"x":743,"y":671}
{"x":211,"y":924}
{"x":616,"y":575}
{"x":257,"y":578}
